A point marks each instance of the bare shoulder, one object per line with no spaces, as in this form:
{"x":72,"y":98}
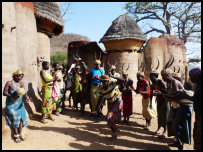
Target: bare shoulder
{"x":9,"y":83}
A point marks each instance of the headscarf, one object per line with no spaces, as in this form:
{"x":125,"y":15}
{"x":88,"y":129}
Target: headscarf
{"x":139,"y":73}
{"x":196,"y":72}
{"x":177,"y":75}
{"x":18,"y":72}
{"x":154,"y":71}
{"x":97,"y":62}
{"x":113,"y":67}
{"x":167,"y":71}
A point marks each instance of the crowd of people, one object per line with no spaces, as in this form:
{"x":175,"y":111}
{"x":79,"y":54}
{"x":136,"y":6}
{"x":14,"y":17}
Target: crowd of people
{"x":175,"y":101}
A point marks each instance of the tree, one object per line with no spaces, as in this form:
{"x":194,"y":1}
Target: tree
{"x":182,"y":19}
{"x":65,"y":8}
{"x":60,"y":58}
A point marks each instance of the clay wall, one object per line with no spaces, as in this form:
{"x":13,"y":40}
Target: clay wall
{"x":161,"y":48}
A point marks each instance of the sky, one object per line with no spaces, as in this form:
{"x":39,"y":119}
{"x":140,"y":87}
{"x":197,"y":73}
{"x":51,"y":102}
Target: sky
{"x":92,"y":19}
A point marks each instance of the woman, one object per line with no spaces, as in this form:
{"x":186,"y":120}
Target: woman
{"x":47,"y":86}
{"x":95,"y":73}
{"x":127,"y":97}
{"x":15,"y":109}
{"x":77,"y":88}
{"x":111,"y":92}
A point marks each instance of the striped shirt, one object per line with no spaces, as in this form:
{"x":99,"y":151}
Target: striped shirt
{"x":112,"y":93}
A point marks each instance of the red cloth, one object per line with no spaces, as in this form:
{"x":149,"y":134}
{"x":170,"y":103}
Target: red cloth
{"x":141,"y":87}
{"x":127,"y":105}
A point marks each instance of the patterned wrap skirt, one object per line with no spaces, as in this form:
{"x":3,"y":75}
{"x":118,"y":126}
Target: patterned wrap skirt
{"x":47,"y":100}
{"x":15,"y":112}
{"x":114,"y":113}
{"x":60,"y":102}
{"x":94,"y":95}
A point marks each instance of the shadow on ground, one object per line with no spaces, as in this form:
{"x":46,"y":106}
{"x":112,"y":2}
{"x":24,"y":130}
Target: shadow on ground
{"x":98,"y":135}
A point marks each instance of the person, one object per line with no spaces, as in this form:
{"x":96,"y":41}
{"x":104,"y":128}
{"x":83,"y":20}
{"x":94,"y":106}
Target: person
{"x":114,"y":73}
{"x":143,"y":88}
{"x":173,"y":86}
{"x":195,"y":77}
{"x":68,"y":81}
{"x":177,"y":76}
{"x":77,"y":87}
{"x":47,"y":87}
{"x":85,"y":96}
{"x":95,"y":73}
{"x":157,"y":88}
{"x":126,"y":89}
{"x":15,"y":113}
{"x":60,"y":105}
{"x":112,"y":94}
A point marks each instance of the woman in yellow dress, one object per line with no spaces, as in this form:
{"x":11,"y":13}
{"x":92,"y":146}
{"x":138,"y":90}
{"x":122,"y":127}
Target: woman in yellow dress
{"x":47,"y":86}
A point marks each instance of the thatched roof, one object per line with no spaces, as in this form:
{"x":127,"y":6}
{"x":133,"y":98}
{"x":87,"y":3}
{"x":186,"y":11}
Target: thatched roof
{"x":123,"y":27}
{"x":49,"y":11}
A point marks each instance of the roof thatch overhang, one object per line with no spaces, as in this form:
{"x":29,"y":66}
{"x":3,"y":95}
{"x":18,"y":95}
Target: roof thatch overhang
{"x":123,"y":28}
{"x":48,"y":18}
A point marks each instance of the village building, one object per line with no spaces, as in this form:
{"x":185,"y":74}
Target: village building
{"x":26,"y":28}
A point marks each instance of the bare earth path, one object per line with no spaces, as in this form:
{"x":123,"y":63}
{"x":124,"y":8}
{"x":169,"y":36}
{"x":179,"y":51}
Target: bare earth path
{"x":72,"y":132}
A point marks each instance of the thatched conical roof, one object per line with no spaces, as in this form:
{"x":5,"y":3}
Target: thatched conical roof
{"x":49,"y":11}
{"x":123,"y":27}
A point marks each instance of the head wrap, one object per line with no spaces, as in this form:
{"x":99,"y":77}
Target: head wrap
{"x":97,"y":62}
{"x":139,"y":73}
{"x":105,"y":77}
{"x":167,"y":71}
{"x":18,"y":72}
{"x":113,"y":67}
{"x":155,"y":71}
{"x":196,"y":72}
{"x":177,"y":75}
{"x":125,"y":72}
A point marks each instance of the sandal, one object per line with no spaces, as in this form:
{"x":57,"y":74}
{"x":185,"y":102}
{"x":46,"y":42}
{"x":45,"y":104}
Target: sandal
{"x":57,"y":113}
{"x":22,"y":138}
{"x":44,"y":121}
{"x":51,"y":118}
{"x":17,"y":138}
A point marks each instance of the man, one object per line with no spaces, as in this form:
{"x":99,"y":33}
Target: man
{"x":95,"y":73}
{"x":173,"y":86}
{"x":158,"y":87}
{"x":110,"y":91}
{"x":195,"y":77}
{"x":177,"y":75}
{"x":143,"y":88}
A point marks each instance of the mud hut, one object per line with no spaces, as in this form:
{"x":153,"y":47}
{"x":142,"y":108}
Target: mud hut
{"x":162,"y":48}
{"x":25,"y":46}
{"x":49,"y":23}
{"x":86,"y":50}
{"x":122,"y":40}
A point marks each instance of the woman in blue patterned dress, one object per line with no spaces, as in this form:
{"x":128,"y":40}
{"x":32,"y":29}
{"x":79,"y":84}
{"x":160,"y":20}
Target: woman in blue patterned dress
{"x":15,"y":110}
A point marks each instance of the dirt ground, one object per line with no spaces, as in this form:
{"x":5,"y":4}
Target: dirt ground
{"x":70,"y":131}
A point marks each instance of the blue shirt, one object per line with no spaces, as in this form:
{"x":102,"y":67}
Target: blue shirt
{"x":97,"y":74}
